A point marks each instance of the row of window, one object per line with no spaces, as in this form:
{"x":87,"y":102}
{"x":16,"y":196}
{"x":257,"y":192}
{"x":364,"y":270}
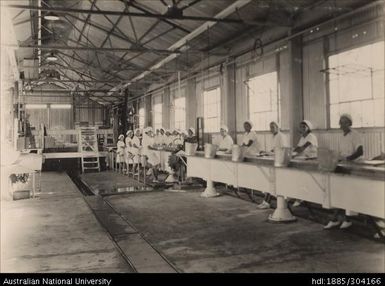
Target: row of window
{"x":356,"y":86}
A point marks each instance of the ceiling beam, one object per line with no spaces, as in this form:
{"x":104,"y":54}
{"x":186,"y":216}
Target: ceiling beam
{"x":76,"y":81}
{"x":70,"y":90}
{"x":72,"y":48}
{"x":182,"y":42}
{"x":145,"y":15}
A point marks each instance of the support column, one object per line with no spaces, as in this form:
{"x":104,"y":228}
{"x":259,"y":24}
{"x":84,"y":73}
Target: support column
{"x":191,"y":103}
{"x":148,"y":111}
{"x":166,"y":112}
{"x":229,"y":113}
{"x":294,"y":91}
{"x":123,"y":117}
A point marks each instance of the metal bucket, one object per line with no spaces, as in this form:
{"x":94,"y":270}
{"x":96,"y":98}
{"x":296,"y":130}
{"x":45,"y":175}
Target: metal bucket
{"x":327,"y":159}
{"x":237,"y":153}
{"x":282,"y":157}
{"x":210,"y":150}
{"x":190,"y":148}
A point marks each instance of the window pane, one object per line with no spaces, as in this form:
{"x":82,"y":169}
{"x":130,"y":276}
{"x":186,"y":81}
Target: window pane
{"x":263,"y":100}
{"x":157,"y":113}
{"x":211,"y":109}
{"x":141,"y":117}
{"x":356,"y":80}
{"x":180,"y":112}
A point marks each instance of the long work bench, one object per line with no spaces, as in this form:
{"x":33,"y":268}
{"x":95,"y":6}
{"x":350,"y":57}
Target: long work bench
{"x":353,"y":187}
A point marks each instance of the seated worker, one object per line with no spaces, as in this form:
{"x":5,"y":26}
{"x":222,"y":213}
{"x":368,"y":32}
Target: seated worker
{"x":308,"y":143}
{"x":120,"y":149}
{"x":280,"y":140}
{"x":191,"y":138}
{"x":351,"y":149}
{"x":152,"y":157}
{"x":249,"y":139}
{"x":177,"y":159}
{"x":226,"y":142}
{"x":306,"y":147}
{"x":129,"y":153}
{"x":178,"y":138}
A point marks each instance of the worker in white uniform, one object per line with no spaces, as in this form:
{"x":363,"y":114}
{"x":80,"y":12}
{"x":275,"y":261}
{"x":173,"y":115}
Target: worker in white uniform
{"x":250,"y":140}
{"x":280,"y":140}
{"x":152,"y":156}
{"x":308,"y":143}
{"x":168,"y":138}
{"x":307,"y":147}
{"x":120,"y":150}
{"x":350,"y":149}
{"x":226,"y":142}
{"x":129,"y":154}
{"x":136,"y":149}
{"x":162,"y":136}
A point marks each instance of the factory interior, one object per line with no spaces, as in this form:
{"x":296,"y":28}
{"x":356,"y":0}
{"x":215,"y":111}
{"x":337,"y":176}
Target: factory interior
{"x":192,"y":136}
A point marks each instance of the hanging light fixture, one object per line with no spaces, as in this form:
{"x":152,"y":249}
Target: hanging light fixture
{"x":50,"y":16}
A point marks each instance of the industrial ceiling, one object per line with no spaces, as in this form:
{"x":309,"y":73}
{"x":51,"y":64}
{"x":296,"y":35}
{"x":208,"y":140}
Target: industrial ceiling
{"x":104,"y":46}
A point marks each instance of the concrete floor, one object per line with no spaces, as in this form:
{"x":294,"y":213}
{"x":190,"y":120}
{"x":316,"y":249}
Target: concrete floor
{"x":226,"y":234}
{"x":55,"y":232}
{"x":164,"y":231}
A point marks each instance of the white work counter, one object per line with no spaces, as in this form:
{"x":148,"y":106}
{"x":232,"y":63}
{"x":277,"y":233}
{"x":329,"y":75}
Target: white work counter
{"x":354,"y":187}
{"x":68,"y":155}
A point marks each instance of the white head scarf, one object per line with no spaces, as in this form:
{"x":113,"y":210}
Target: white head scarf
{"x":224,"y":127}
{"x":148,"y":129}
{"x":121,"y":136}
{"x":276,"y":124}
{"x":308,"y":124}
{"x":129,"y":131}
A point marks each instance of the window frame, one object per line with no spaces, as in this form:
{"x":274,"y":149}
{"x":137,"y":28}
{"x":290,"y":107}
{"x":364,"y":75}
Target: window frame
{"x":184,"y":111}
{"x":219,"y":105}
{"x":327,"y":54}
{"x":279,"y":109}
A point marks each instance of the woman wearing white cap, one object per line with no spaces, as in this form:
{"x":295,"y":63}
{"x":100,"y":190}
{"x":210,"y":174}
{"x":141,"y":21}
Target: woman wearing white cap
{"x":226,"y":142}
{"x":129,"y":154}
{"x":136,"y":147}
{"x":152,"y":157}
{"x":249,"y":139}
{"x":308,"y":143}
{"x":160,"y":139}
{"x":307,"y":146}
{"x":120,"y":149}
{"x":351,"y":149}
{"x":168,"y":138}
{"x":279,"y":141}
